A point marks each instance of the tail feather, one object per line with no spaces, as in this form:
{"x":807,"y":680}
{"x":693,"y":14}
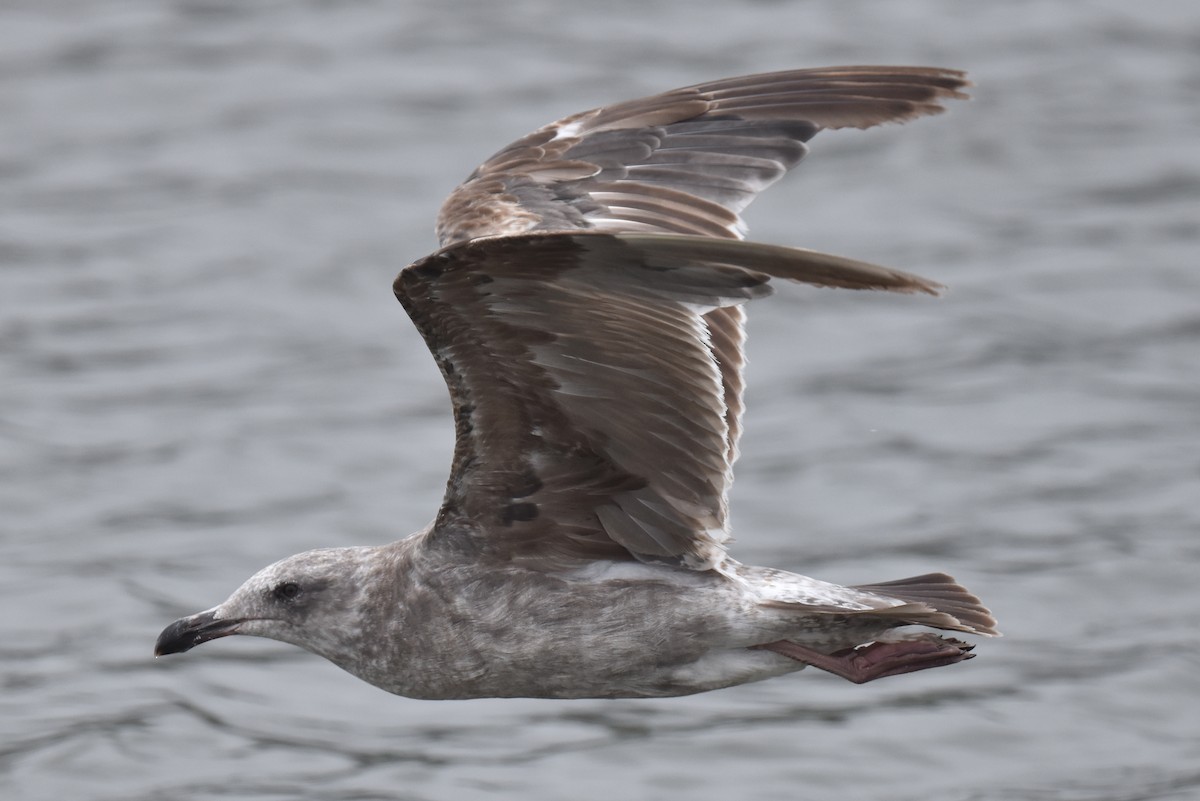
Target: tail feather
{"x":936,"y":600}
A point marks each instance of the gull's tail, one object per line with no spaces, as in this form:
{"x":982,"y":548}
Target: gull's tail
{"x":936,"y":600}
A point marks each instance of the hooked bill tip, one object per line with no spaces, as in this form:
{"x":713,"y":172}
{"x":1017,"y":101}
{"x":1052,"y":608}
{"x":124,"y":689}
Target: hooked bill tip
{"x":188,"y":632}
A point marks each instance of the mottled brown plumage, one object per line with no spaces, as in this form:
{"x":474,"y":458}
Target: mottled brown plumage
{"x":585,"y":312}
{"x":584,"y":383}
{"x":686,"y":161}
{"x":683,"y":162}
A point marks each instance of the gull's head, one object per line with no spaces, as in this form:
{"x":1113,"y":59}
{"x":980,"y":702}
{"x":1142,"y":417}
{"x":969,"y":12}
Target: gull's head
{"x":313,"y":599}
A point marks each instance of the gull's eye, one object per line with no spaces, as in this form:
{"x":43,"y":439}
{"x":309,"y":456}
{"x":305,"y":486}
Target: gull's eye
{"x":286,"y":591}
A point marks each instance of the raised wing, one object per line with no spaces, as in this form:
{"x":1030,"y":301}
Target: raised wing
{"x":685,"y":161}
{"x":588,"y":407}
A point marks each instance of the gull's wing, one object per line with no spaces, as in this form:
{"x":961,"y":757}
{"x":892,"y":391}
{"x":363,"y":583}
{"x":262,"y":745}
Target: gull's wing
{"x":589,"y":410}
{"x":685,"y":161}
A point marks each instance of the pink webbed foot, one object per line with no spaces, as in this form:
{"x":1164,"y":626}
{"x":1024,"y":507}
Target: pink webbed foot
{"x":879,"y":659}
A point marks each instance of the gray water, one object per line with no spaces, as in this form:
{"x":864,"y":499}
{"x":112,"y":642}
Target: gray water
{"x":202,"y":205}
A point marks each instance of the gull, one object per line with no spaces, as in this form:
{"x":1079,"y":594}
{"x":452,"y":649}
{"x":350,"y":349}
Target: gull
{"x":586,"y":312}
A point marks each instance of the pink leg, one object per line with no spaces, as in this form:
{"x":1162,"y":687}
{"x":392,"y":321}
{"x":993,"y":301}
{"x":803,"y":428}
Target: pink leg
{"x":879,"y":659}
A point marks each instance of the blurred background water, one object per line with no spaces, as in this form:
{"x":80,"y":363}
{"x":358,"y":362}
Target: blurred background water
{"x":203,"y":369}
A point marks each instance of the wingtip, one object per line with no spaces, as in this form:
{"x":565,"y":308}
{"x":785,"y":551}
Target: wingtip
{"x":928,"y":287}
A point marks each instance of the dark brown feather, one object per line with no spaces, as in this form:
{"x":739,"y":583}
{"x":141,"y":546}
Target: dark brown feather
{"x":589,"y":402}
{"x":685,"y":161}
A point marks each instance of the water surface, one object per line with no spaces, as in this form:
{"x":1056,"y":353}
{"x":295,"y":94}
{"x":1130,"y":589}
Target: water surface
{"x":202,"y":205}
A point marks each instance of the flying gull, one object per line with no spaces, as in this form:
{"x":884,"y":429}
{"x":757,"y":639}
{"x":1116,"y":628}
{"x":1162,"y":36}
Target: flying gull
{"x":585,"y":309}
